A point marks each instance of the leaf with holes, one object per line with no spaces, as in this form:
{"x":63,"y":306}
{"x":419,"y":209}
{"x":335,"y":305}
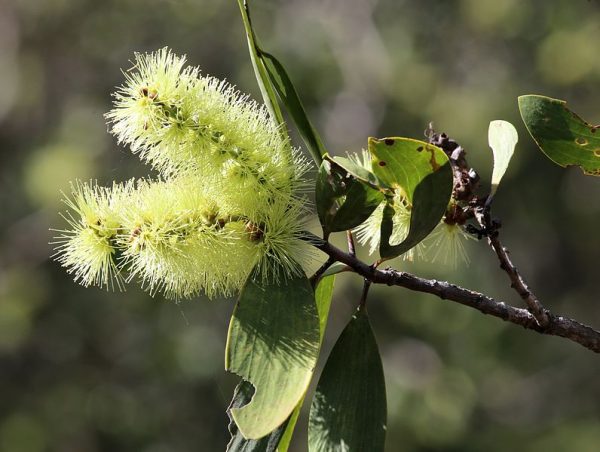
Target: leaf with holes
{"x":273,"y":343}
{"x":343,"y":202}
{"x":564,"y":137}
{"x":348,"y":412}
{"x":421,"y":173}
{"x":502,"y":138}
{"x":242,"y":395}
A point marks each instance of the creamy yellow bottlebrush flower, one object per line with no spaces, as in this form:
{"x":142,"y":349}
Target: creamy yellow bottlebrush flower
{"x":177,"y":237}
{"x":182,"y":239}
{"x":182,"y":122}
{"x":178,"y":240}
{"x":227,"y":202}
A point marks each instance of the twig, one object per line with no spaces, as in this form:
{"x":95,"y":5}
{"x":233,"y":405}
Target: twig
{"x":314,"y":279}
{"x":365,"y":293}
{"x":490,"y":229}
{"x":556,"y":326}
{"x":351,"y":247}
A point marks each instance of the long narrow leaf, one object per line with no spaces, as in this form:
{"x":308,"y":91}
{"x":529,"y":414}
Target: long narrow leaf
{"x":264,"y":82}
{"x":289,"y":96}
{"x":348,"y":412}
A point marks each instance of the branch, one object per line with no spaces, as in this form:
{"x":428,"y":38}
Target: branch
{"x":556,"y":326}
{"x":351,"y":246}
{"x":314,"y":279}
{"x":490,"y":228}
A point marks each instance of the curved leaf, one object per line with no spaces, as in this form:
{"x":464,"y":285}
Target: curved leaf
{"x":502,"y":138}
{"x":343,"y":202}
{"x":337,"y":267}
{"x":273,"y":343}
{"x":358,"y":172}
{"x":348,"y":412}
{"x":423,"y":174}
{"x":289,"y":96}
{"x":562,"y":135}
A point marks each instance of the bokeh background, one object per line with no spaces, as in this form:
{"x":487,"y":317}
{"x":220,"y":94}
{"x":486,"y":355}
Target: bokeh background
{"x":90,"y":370}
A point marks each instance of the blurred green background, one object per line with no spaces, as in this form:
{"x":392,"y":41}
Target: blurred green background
{"x":90,"y":370}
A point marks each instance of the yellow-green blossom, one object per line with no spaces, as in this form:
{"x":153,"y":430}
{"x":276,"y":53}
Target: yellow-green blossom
{"x":227,"y":201}
{"x":176,"y":237}
{"x":182,"y":122}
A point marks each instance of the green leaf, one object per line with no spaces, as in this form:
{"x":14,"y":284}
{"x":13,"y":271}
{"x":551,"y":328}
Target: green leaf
{"x":502,"y":137}
{"x":343,"y":202}
{"x":272,"y":78}
{"x":358,"y":172}
{"x":423,"y":174}
{"x":262,"y":77}
{"x":337,"y":267}
{"x":241,"y":396}
{"x":323,"y":296}
{"x":289,"y":96}
{"x":562,"y":135}
{"x":348,"y":412}
{"x":273,"y":343}
{"x":290,"y":425}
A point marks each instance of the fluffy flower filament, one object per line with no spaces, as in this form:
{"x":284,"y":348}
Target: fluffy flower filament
{"x":227,"y":200}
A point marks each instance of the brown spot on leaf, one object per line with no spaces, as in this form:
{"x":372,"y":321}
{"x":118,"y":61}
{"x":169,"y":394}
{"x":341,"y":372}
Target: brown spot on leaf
{"x":389,"y":141}
{"x":382,"y":163}
{"x":432,"y":161}
{"x":420,"y":148}
{"x":581,"y":141}
{"x":597,"y":152}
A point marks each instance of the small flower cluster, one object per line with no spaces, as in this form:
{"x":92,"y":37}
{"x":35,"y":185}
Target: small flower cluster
{"x":226,"y":200}
{"x":445,"y":244}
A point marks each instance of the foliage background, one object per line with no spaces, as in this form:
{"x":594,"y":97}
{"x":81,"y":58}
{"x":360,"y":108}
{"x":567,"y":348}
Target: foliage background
{"x":88,"y":370}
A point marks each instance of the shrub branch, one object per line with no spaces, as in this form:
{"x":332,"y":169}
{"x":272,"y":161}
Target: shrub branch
{"x":556,"y":325}
{"x":490,"y":228}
